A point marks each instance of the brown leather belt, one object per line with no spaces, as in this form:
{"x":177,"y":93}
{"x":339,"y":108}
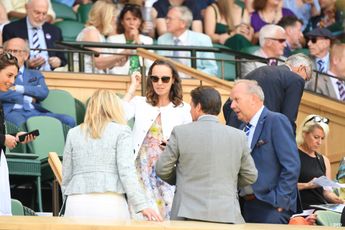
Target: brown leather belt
{"x":249,"y":197}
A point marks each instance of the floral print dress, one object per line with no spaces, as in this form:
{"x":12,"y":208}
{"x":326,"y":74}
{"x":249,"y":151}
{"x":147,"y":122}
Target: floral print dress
{"x":159,"y":193}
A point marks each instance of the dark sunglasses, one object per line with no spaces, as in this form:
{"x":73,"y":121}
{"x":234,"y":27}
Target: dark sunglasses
{"x":317,"y":119}
{"x":313,"y":40}
{"x":165,"y":79}
{"x":281,"y":40}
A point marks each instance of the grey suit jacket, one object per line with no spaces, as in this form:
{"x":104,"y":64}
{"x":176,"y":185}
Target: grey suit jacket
{"x":212,"y":160}
{"x":324,"y":86}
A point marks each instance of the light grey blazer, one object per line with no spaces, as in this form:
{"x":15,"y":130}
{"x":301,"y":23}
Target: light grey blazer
{"x":212,"y":161}
{"x":324,"y":86}
{"x":101,"y":165}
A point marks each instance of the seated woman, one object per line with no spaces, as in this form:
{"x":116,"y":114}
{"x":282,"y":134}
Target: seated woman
{"x":129,"y":26}
{"x":100,"y":24}
{"x":310,"y":134}
{"x":224,"y":19}
{"x":267,"y":12}
{"x":98,"y":165}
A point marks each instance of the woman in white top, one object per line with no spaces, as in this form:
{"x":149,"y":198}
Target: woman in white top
{"x":98,"y":168}
{"x":129,"y":27}
{"x":100,"y":24}
{"x":155,"y":116}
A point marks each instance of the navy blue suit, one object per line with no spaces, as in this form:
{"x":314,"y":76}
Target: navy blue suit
{"x":51,"y":34}
{"x":34,"y":86}
{"x":276,"y":158}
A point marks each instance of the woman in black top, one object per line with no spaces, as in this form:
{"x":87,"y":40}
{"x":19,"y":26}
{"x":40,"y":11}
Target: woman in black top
{"x":309,"y":139}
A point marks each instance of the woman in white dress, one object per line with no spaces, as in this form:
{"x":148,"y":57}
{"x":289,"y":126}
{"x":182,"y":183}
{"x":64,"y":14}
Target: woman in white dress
{"x":98,"y":166}
{"x":100,"y":24}
{"x":8,"y":71}
{"x":129,"y":27}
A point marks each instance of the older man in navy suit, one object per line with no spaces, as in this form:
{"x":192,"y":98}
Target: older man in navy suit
{"x":41,"y":35}
{"x":22,"y":101}
{"x":273,"y":197}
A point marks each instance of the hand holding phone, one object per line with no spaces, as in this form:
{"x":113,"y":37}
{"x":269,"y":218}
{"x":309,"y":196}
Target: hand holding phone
{"x":34,"y":133}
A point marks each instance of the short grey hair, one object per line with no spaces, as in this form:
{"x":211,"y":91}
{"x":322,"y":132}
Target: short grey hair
{"x":298,"y":60}
{"x":26,"y":44}
{"x":186,"y":15}
{"x":252,"y":87}
{"x":268,"y":31}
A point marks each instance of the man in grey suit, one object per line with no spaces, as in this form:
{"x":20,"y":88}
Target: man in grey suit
{"x":327,"y":85}
{"x":207,"y":161}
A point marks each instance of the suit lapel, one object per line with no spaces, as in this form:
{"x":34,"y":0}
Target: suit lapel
{"x":258,"y":128}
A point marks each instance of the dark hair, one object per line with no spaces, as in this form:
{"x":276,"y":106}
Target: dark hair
{"x":208,"y":98}
{"x":259,"y":4}
{"x":7,"y":59}
{"x":175,"y":95}
{"x":135,"y":10}
{"x":290,"y":20}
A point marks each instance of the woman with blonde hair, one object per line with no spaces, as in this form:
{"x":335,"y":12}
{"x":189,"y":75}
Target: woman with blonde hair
{"x":98,"y":167}
{"x":313,"y":130}
{"x":101,"y":23}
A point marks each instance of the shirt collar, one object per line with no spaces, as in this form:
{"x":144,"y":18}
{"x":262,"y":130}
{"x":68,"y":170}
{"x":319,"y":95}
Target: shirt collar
{"x":182,"y":37}
{"x":255,"y":119}
{"x":324,"y":59}
{"x":30,"y":26}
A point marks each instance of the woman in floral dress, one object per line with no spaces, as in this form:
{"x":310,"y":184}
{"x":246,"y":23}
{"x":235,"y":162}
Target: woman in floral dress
{"x":155,"y":116}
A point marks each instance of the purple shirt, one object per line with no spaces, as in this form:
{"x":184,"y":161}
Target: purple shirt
{"x":257,"y":23}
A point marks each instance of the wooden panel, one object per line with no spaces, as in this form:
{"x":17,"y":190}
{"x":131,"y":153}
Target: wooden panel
{"x":64,"y":223}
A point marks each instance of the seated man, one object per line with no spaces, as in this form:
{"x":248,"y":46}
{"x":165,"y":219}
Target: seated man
{"x":179,"y":19}
{"x":272,"y":40}
{"x":40,"y":34}
{"x":22,"y":102}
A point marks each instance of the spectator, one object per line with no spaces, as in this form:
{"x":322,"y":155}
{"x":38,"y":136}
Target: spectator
{"x":292,"y":26}
{"x":179,"y":19}
{"x":17,"y":9}
{"x":273,"y":197}
{"x":225,"y":20}
{"x":319,"y":44}
{"x":41,"y":35}
{"x":312,"y":131}
{"x":8,"y":71}
{"x":154,"y":118}
{"x":160,"y":11}
{"x":329,"y":17}
{"x":23,"y":100}
{"x":129,"y":27}
{"x":206,"y":142}
{"x":3,"y":20}
{"x":98,"y":169}
{"x":99,"y":25}
{"x":272,"y":44}
{"x":303,"y":9}
{"x":267,"y":12}
{"x":330,"y":86}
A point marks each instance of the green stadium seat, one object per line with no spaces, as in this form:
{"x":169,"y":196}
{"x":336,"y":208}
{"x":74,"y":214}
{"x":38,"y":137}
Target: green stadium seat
{"x":83,"y":12}
{"x":70,"y":29}
{"x":328,"y":218}
{"x":63,"y":11}
{"x":17,"y":208}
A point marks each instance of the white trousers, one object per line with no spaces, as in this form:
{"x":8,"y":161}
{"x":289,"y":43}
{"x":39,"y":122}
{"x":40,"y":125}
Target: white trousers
{"x":107,"y":205}
{"x":5,"y":192}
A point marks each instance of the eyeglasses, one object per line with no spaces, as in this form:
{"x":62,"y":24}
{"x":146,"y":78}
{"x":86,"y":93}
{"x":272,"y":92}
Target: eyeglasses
{"x":164,"y":79}
{"x":280,"y":40}
{"x":317,"y":119}
{"x":15,"y":51}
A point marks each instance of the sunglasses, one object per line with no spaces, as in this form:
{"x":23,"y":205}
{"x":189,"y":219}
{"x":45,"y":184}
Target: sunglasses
{"x":280,"y":40}
{"x":317,"y":119}
{"x":164,"y":79}
{"x":313,"y":40}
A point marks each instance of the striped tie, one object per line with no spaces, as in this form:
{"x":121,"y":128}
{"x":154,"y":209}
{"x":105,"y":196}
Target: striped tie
{"x":176,"y":52}
{"x":341,"y":90}
{"x":247,"y":129}
{"x":35,"y":41}
{"x":321,"y":66}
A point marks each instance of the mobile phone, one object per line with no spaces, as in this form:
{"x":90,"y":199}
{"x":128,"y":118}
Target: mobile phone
{"x":34,"y":133}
